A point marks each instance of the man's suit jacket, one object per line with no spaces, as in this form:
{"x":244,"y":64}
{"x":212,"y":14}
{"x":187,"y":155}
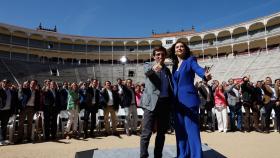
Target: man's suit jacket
{"x":116,"y":99}
{"x":184,"y":88}
{"x":63,"y":98}
{"x":89,"y":95}
{"x":24,"y":95}
{"x":153,"y":86}
{"x":14,"y":100}
{"x":268,"y":93}
{"x":126,"y":97}
{"x":51,"y":102}
{"x":204,"y":93}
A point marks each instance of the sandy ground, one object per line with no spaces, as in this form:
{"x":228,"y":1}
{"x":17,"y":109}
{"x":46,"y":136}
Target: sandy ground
{"x":235,"y":145}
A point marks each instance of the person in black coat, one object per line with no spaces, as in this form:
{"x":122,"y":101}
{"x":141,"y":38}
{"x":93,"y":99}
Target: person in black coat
{"x":64,"y":96}
{"x":51,"y":108}
{"x":110,"y":105}
{"x":8,"y":105}
{"x":91,"y":107}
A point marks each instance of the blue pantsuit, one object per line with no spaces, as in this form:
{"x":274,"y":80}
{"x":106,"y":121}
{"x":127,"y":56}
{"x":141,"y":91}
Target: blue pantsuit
{"x":186,"y":109}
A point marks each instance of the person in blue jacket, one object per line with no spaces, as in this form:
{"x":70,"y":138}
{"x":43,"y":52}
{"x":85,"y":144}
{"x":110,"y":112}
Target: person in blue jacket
{"x":187,"y":101}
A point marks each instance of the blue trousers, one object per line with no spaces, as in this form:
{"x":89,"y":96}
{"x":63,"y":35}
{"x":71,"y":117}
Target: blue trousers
{"x":187,"y":132}
{"x":235,"y":111}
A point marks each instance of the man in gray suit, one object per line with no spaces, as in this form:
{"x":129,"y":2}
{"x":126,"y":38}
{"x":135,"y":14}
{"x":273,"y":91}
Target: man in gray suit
{"x":234,"y":103}
{"x":156,"y":102}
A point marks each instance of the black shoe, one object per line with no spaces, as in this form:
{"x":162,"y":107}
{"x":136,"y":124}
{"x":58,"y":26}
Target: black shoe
{"x":19,"y":141}
{"x":116,"y":134}
{"x":85,"y":136}
{"x":259,"y":130}
{"x":91,"y":134}
{"x":128,"y":133}
{"x":106,"y":134}
{"x":134,"y":133}
{"x":240,"y":130}
{"x":28,"y":140}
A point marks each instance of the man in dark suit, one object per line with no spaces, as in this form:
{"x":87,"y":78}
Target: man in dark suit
{"x":91,"y":107}
{"x":64,"y":96}
{"x":208,"y":98}
{"x":8,"y":105}
{"x":51,"y":109}
{"x":156,"y":102}
{"x":247,"y":91}
{"x":110,"y":106}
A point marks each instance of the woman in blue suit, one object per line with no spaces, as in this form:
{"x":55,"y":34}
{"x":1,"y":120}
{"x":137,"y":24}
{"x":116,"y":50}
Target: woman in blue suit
{"x":186,"y":101}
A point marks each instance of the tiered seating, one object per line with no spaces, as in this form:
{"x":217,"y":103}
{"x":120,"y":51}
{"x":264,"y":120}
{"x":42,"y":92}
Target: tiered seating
{"x":257,"y":65}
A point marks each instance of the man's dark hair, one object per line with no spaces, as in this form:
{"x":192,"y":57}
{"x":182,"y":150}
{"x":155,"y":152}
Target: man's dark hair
{"x":106,"y":82}
{"x":159,"y":48}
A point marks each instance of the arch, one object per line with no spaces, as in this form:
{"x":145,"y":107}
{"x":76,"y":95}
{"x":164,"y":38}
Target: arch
{"x":197,"y":53}
{"x":4,"y":30}
{"x":257,"y":45}
{"x":273,"y":41}
{"x":118,"y":43}
{"x":273,"y":24}
{"x":131,"y":43}
{"x":156,"y":43}
{"x":209,"y":40}
{"x":51,"y":39}
{"x":223,"y":33}
{"x":66,"y":40}
{"x":131,"y":46}
{"x":20,"y":34}
{"x":224,"y":50}
{"x":79,"y":41}
{"x":256,"y":29}
{"x":240,"y":48}
{"x":144,"y":46}
{"x":210,"y":51}
{"x":36,"y":36}
{"x":182,"y":39}
{"x":224,"y":37}
{"x":209,"y":36}
{"x":93,"y":42}
{"x":195,"y":39}
{"x":66,"y":44}
{"x":239,"y":30}
{"x":256,"y":26}
{"x":273,"y":21}
{"x":105,"y":43}
{"x":143,"y":43}
{"x":239,"y":33}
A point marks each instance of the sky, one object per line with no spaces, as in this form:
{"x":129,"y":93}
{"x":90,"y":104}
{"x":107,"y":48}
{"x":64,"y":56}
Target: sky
{"x":131,"y":18}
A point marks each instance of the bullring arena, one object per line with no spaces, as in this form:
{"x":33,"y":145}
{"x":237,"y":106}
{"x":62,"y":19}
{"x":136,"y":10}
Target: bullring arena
{"x":251,"y":48}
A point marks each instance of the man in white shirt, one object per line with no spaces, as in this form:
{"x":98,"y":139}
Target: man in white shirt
{"x":110,"y":106}
{"x":30,"y":103}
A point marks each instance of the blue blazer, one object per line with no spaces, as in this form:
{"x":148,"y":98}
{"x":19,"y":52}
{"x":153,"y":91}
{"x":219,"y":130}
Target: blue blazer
{"x":184,"y":89}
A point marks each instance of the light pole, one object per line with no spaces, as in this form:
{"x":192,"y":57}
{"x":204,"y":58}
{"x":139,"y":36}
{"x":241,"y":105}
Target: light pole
{"x":123,"y":60}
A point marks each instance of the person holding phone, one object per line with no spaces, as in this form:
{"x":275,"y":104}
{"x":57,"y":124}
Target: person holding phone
{"x":156,"y":102}
{"x":186,"y":100}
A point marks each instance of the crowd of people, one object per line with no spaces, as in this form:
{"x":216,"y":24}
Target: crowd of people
{"x":30,"y":99}
{"x":220,"y":104}
{"x":229,"y":100}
